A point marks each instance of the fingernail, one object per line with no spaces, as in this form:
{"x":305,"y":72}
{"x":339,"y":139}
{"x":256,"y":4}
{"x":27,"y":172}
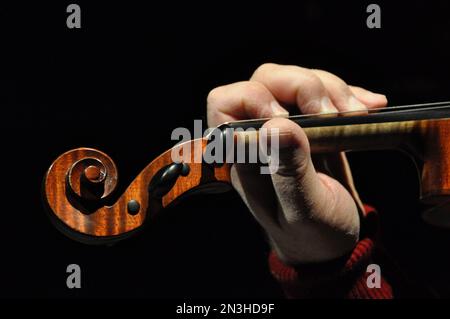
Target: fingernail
{"x":355,"y":105}
{"x":326,"y":106}
{"x":278,"y":110}
{"x":375,"y":94}
{"x":378,"y":95}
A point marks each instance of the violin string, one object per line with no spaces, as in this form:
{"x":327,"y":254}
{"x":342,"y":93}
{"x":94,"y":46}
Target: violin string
{"x":386,"y":110}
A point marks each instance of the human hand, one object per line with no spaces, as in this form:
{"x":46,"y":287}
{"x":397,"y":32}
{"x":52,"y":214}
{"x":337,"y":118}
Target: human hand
{"x":309,"y":208}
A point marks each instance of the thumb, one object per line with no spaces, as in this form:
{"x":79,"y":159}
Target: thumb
{"x":311,"y":204}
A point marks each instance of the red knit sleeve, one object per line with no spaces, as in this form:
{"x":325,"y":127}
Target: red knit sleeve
{"x":345,"y":277}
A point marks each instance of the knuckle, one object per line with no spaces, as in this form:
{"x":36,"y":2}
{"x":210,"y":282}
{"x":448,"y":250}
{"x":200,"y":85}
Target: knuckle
{"x":263,"y":69}
{"x":214,"y":95}
{"x":300,"y":170}
{"x":342,"y":90}
{"x":343,"y":87}
{"x":309,"y":79}
{"x":338,"y":82}
{"x":253,"y":89}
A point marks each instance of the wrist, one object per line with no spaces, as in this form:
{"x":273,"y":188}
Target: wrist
{"x":312,"y":244}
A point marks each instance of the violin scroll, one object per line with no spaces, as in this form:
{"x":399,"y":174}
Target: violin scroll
{"x":92,"y":178}
{"x":81,"y":182}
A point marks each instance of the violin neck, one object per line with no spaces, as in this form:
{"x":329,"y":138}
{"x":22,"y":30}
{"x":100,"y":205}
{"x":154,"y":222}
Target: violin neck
{"x":374,"y":136}
{"x":427,"y":141}
{"x":396,"y":127}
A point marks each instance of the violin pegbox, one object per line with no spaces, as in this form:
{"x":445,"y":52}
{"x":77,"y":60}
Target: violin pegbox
{"x":81,"y":182}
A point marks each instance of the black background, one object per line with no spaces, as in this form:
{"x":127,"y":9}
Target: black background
{"x":136,"y":71}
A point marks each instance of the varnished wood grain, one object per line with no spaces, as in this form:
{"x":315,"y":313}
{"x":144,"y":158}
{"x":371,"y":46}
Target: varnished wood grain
{"x":426,"y":140}
{"x":115,"y":220}
{"x":435,"y":186}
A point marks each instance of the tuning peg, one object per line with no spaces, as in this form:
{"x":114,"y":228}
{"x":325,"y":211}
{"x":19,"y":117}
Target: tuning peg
{"x":163,"y":181}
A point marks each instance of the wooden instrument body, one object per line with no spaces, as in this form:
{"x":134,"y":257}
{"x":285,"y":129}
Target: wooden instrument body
{"x":426,"y":140}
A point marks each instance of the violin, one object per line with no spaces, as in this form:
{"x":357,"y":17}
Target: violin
{"x":80,"y":183}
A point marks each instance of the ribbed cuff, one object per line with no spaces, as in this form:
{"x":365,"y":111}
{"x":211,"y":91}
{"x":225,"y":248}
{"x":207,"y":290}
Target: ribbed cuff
{"x":345,"y":277}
